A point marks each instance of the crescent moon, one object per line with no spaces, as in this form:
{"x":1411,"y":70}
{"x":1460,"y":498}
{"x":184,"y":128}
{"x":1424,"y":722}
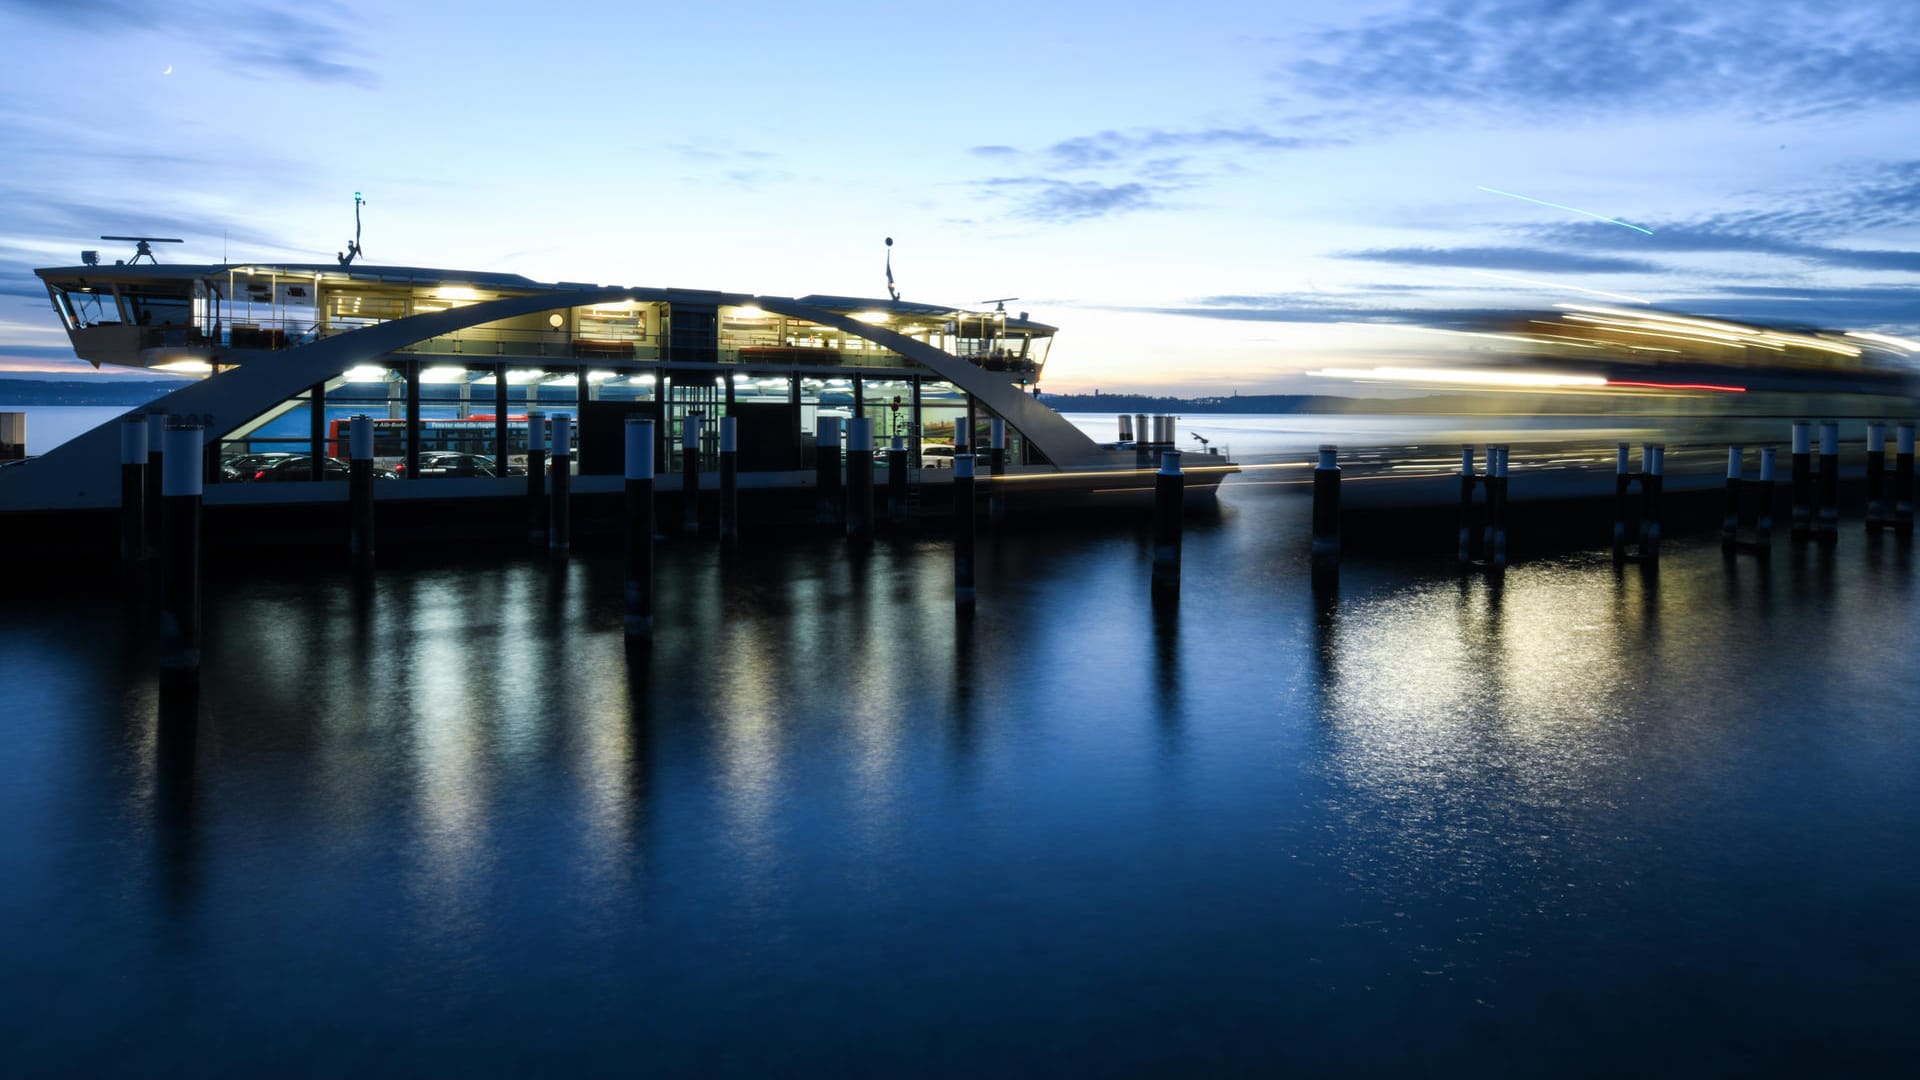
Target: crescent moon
{"x":169,"y":70}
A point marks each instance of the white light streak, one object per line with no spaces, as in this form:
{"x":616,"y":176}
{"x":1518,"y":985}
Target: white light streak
{"x":1558,"y":285}
{"x":1462,"y":377}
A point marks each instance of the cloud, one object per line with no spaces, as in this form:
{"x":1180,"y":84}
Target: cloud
{"x":1777,"y":60}
{"x":1320,"y":308}
{"x":1107,"y":148}
{"x":89,"y":12}
{"x":1715,"y":235}
{"x":1138,"y":168}
{"x":41,"y":352}
{"x":1872,"y":307}
{"x":1504,"y":258}
{"x":312,"y":45}
{"x":1043,"y":198}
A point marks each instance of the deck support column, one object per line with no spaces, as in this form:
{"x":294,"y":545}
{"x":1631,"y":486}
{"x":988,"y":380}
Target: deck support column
{"x":1827,"y":524}
{"x":1468,"y":481}
{"x":1876,"y":475}
{"x":156,"y":464}
{"x":560,"y":508}
{"x":860,"y":480}
{"x":997,"y":467}
{"x":1730,"y":520}
{"x":638,"y":615}
{"x":1326,"y":508}
{"x":1653,"y":463}
{"x":826,"y":469}
{"x":729,"y":481}
{"x":360,"y":492}
{"x":537,"y":479}
{"x":1903,"y":481}
{"x":963,"y":591}
{"x":133,"y":491}
{"x":1169,"y":504}
{"x":1802,"y":479}
{"x":180,"y":590}
{"x":1763,"y":529}
{"x":897,"y":482}
{"x":690,"y":474}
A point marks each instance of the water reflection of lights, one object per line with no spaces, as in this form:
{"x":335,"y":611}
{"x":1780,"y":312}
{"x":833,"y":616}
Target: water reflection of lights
{"x":750,"y":737}
{"x":1458,"y":713}
{"x":452,"y":776}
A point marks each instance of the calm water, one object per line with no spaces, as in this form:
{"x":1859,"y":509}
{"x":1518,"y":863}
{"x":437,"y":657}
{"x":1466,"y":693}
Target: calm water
{"x":1581,"y":822}
{"x":50,"y":425}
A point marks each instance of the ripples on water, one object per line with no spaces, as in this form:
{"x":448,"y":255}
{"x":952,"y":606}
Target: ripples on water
{"x":1577,"y":820}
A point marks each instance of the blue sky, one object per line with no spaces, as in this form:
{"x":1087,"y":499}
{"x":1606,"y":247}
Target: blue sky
{"x":1205,"y":196}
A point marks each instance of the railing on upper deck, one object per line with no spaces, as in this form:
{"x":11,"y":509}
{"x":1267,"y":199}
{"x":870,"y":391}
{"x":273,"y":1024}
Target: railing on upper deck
{"x":489,"y":342}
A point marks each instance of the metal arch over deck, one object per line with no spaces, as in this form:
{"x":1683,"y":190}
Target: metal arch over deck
{"x":84,"y":472}
{"x":1064,"y":444}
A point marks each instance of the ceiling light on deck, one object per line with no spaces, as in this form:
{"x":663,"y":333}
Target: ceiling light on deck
{"x":640,"y":380}
{"x":443,"y":374}
{"x":524,"y":376}
{"x":365,"y":373}
{"x":871,"y":316}
{"x":456,"y":292}
{"x":184,"y":367}
{"x":561,"y":379}
{"x":601,"y":376}
{"x":748,"y":311}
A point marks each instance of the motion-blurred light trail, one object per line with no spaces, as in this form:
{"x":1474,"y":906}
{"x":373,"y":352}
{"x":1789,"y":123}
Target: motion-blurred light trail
{"x":1560,"y":285}
{"x":1569,"y":209}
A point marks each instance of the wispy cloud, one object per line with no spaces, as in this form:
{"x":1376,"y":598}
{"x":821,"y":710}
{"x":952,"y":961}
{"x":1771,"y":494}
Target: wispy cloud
{"x":1134,"y":169}
{"x":1319,"y":308}
{"x":317,"y":43}
{"x":1108,"y":148}
{"x":1777,"y":60}
{"x":1042,"y":198}
{"x":1868,"y":307}
{"x":1504,"y":258}
{"x":1728,"y":235}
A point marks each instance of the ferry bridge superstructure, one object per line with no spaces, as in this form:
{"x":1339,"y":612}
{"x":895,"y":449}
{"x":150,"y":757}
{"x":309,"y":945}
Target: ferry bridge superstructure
{"x":431,"y":350}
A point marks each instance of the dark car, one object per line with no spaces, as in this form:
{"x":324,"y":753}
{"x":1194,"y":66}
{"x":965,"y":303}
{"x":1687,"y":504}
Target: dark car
{"x":300,"y":467}
{"x":458,"y":463}
{"x":241,"y":467}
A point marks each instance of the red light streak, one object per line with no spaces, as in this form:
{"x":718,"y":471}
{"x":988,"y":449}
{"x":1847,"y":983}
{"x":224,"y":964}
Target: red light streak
{"x":1679,"y":386}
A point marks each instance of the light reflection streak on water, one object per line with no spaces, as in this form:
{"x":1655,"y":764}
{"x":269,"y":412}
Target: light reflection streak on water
{"x":452,"y":774}
{"x":517,"y":663}
{"x":872,"y":689}
{"x":603,"y":760}
{"x":752,"y":677}
{"x":1475,"y":717}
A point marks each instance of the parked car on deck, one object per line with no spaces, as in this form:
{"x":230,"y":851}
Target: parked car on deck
{"x":300,"y":467}
{"x":457,"y":463}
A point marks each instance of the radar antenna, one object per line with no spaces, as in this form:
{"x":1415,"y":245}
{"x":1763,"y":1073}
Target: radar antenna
{"x":353,"y":246}
{"x":891,"y":291}
{"x":143,"y":245}
{"x":1204,"y":441}
{"x":1000,"y":305}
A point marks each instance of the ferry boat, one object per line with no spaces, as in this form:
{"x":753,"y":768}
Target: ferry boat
{"x":452,"y":365}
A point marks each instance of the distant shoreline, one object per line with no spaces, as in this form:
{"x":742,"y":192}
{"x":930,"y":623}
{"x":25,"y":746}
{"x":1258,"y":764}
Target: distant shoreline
{"x":118,"y":391}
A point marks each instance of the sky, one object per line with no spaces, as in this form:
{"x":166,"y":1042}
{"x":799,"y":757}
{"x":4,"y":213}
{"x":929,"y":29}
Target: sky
{"x":1207,"y":197}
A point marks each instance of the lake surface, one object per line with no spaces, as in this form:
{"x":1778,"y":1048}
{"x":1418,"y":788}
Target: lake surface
{"x":1577,"y":821}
